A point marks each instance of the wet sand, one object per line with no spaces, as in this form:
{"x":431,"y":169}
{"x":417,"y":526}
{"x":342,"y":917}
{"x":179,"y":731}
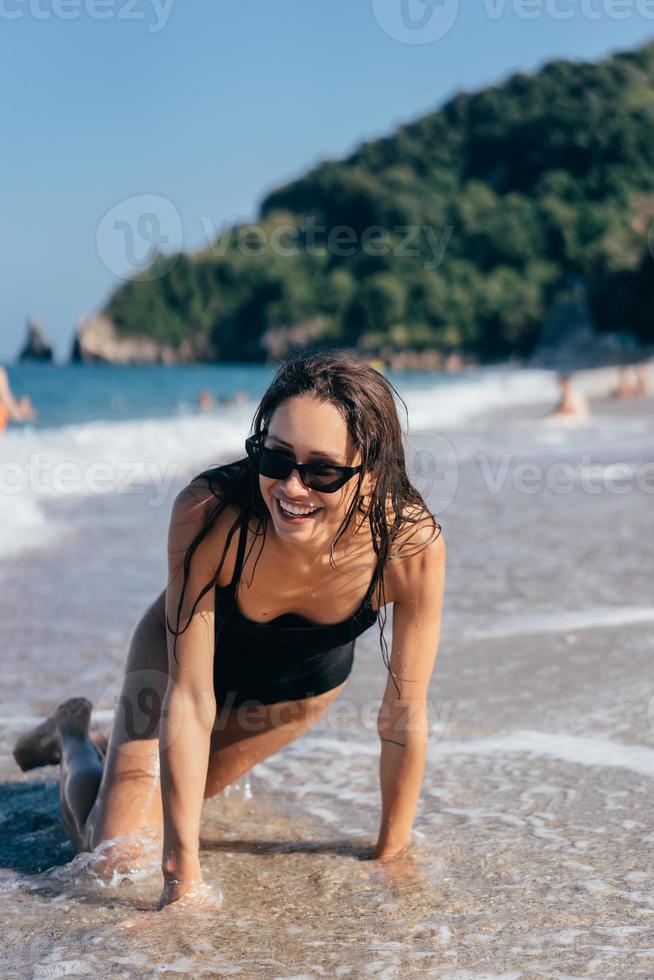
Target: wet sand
{"x":533,"y":840}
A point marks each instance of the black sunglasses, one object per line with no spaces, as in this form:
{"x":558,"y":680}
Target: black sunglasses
{"x":278,"y":465}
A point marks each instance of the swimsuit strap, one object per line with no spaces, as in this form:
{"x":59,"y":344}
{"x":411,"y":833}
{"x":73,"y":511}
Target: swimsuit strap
{"x":371,"y":588}
{"x":238,"y":564}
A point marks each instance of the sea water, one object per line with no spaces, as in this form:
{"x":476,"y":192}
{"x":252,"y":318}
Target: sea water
{"x":532,"y":844}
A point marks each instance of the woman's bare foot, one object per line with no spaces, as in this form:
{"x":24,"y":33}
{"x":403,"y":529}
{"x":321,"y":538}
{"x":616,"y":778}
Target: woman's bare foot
{"x":41,"y":746}
{"x":72,"y":717}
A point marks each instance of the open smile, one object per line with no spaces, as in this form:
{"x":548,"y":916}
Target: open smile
{"x":295,"y":513}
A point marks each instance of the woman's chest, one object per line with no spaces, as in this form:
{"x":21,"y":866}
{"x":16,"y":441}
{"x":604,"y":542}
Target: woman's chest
{"x":276,"y":586}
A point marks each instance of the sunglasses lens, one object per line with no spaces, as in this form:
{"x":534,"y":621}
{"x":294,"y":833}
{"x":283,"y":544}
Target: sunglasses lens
{"x":325,"y":479}
{"x":278,"y":466}
{"x":274,"y":464}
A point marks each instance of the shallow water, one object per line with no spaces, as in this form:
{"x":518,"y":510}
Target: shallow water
{"x":532,"y":848}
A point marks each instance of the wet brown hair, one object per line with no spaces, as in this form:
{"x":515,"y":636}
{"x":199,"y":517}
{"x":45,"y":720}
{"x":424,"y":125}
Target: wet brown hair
{"x":365,"y":399}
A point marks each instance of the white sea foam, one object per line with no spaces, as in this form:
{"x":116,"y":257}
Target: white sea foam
{"x":24,"y":525}
{"x":149,"y":456}
{"x":577,"y":749}
{"x":454,"y":403}
{"x":563,"y":622}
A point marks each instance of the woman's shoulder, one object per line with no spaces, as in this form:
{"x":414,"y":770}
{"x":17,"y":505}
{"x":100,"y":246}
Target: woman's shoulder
{"x":203,"y":512}
{"x":417,"y":528}
{"x":417,"y":548}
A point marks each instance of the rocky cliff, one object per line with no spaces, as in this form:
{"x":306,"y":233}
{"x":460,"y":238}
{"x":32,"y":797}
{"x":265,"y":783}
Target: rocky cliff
{"x":97,"y":341}
{"x":37,"y":347}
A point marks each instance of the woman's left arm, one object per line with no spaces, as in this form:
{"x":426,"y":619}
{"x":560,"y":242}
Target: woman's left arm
{"x":403,"y":723}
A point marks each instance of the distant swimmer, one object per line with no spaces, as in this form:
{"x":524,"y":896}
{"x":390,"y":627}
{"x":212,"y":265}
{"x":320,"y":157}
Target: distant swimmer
{"x":240,"y":398}
{"x":205,"y":399}
{"x":572,"y":404}
{"x":12,"y":409}
{"x":625,"y":387}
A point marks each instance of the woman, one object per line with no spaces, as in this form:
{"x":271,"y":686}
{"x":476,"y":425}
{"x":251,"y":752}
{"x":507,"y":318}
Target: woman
{"x":324,"y":478}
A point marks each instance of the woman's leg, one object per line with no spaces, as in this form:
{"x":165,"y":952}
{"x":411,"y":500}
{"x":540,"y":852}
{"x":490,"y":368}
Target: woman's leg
{"x":41,"y":747}
{"x":64,"y":738}
{"x":123,"y":796}
{"x":108,"y":797}
{"x":81,"y":766}
{"x":241,"y":739}
{"x":129,"y":796}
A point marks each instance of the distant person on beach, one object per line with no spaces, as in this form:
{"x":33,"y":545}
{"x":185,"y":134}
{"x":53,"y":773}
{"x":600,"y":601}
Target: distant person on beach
{"x":629,"y":388}
{"x":12,"y":409}
{"x":242,"y":653}
{"x":642,"y":381}
{"x":572,"y":404}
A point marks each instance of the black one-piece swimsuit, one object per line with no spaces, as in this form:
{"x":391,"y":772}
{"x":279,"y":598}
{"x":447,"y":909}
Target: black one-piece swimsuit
{"x":288,"y":658}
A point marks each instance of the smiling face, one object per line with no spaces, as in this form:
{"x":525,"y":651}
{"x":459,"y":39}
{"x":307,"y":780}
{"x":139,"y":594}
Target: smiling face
{"x":310,"y":431}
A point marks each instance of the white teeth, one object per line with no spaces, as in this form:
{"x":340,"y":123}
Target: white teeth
{"x":296,"y":510}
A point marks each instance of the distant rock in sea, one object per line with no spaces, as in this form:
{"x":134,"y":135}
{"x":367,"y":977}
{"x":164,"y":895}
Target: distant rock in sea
{"x":97,"y":341}
{"x":37,"y":347}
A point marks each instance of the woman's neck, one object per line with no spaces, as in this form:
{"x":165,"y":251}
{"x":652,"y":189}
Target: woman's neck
{"x":312,"y":554}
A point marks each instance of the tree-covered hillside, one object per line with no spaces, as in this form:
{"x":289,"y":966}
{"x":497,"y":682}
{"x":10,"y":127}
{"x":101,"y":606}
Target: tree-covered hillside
{"x":455,"y":232}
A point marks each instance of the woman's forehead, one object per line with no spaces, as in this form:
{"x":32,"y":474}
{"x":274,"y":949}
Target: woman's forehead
{"x":308,"y":424}
{"x":306,"y":415}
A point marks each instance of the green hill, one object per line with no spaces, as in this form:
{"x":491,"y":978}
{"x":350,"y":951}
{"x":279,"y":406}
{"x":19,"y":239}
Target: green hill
{"x":455,"y":232}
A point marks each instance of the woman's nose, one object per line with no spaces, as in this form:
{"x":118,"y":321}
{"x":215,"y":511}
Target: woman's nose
{"x":293,"y":484}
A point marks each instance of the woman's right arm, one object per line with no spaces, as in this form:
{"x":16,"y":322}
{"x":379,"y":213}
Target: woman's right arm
{"x":189,"y":707}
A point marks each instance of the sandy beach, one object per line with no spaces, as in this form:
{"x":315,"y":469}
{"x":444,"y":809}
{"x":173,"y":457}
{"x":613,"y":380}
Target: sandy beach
{"x":532,"y":849}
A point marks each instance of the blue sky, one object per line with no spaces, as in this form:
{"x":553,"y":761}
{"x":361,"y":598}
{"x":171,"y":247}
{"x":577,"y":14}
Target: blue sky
{"x":208,"y":104}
